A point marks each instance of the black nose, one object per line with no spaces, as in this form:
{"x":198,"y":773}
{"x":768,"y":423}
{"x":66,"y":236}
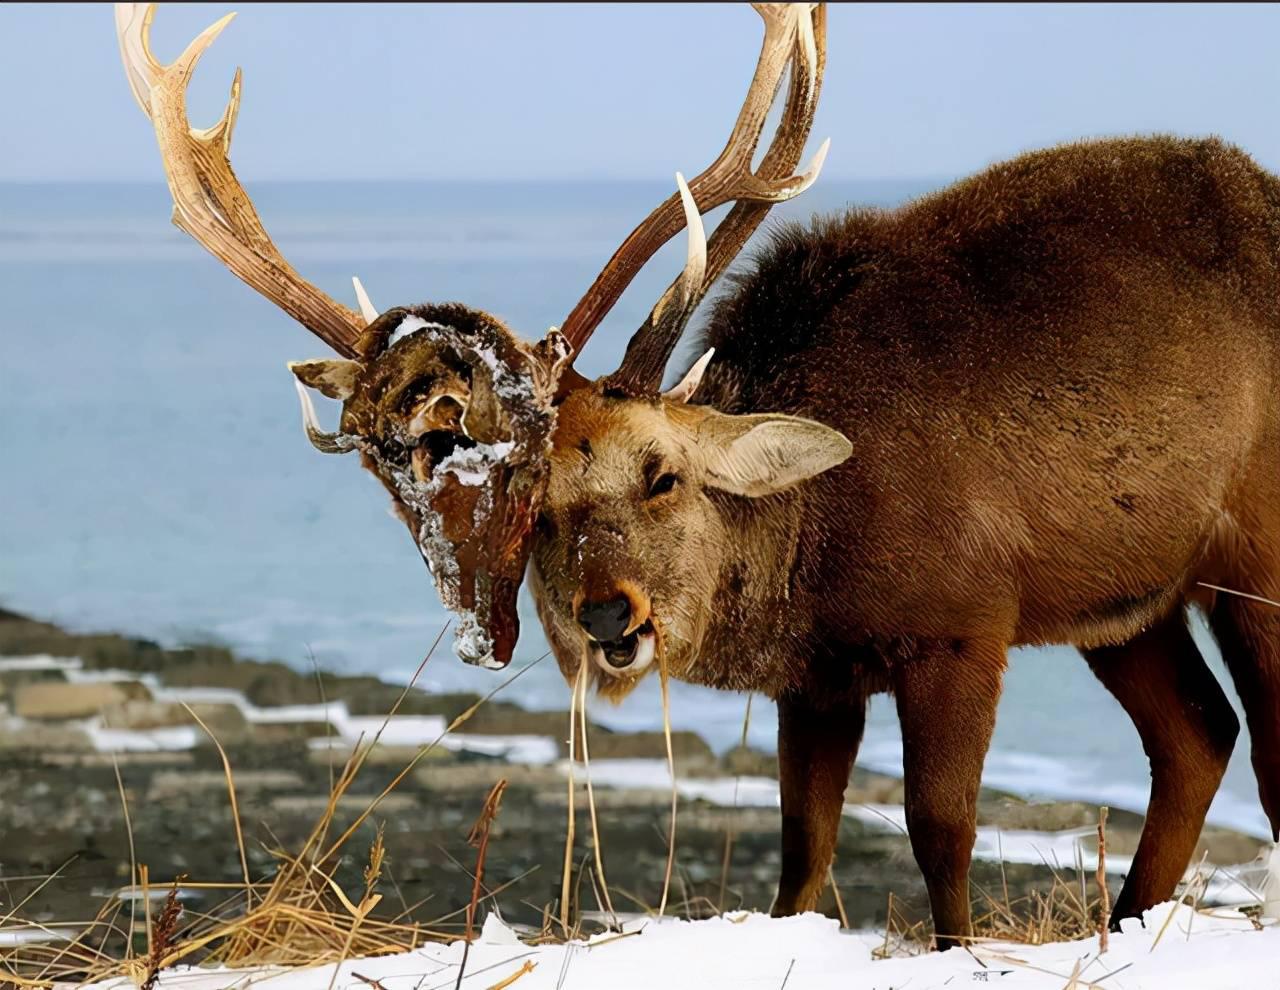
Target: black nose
{"x":605,"y":621}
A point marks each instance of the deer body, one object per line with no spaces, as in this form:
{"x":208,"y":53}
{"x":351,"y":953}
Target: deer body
{"x":1058,"y":379}
{"x":1037,"y":407}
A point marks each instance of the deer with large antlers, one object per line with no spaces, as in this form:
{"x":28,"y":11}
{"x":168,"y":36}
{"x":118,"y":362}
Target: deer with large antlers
{"x":1039,"y":406}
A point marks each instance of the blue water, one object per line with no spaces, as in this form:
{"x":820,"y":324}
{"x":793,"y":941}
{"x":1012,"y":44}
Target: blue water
{"x":155,"y":478}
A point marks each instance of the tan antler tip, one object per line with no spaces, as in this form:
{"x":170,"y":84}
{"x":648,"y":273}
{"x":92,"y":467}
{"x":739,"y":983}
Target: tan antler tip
{"x":367,"y":309}
{"x":326,"y":443}
{"x":781,"y":190}
{"x":810,"y":175}
{"x":688,"y":385}
{"x":222,"y":130}
{"x":687,"y":288}
{"x":201,"y":42}
{"x":309,"y":420}
{"x":804,"y":31}
{"x":696,"y":264}
{"x":133,"y":32}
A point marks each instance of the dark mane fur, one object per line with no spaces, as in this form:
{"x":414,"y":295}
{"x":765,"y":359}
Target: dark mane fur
{"x":987,"y":266}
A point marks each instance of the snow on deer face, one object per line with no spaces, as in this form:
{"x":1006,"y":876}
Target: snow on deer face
{"x":453,"y":415}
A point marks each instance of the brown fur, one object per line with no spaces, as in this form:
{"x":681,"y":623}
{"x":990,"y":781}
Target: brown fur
{"x":1059,"y":381}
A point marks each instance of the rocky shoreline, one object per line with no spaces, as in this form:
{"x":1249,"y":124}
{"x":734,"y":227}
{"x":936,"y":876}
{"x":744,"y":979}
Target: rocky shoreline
{"x":76,"y":709}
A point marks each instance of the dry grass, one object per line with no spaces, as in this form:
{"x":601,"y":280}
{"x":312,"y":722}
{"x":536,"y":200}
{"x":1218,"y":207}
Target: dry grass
{"x":1062,"y":913}
{"x":300,"y":915}
{"x":1054,"y":915}
{"x":664,"y":678}
{"x":1068,"y":911}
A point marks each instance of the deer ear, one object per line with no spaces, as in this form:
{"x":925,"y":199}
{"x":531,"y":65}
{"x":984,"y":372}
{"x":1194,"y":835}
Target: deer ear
{"x":764,"y":453}
{"x":334,"y":377}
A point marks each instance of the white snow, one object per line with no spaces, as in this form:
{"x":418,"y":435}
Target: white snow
{"x":410,"y":325}
{"x":167,"y":739}
{"x":471,"y":641}
{"x":40,"y":661}
{"x":17,"y":935}
{"x":471,"y":465}
{"x":1178,"y":949}
{"x":411,"y":731}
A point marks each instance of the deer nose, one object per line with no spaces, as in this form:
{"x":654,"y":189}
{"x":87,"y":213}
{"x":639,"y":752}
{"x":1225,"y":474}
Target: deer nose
{"x":605,"y":621}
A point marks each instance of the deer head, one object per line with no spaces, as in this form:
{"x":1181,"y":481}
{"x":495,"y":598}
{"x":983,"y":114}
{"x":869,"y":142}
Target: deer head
{"x":455,"y":414}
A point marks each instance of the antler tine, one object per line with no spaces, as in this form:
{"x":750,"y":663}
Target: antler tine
{"x":688,"y":287}
{"x":676,"y":305}
{"x":789,"y":40}
{"x":208,"y":201}
{"x":787,"y":146}
{"x":650,"y":347}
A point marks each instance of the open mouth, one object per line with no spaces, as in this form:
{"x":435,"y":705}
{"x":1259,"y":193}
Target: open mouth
{"x":433,"y":447}
{"x":628,"y":654}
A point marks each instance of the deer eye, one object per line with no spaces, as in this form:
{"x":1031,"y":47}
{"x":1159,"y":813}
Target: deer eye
{"x":662,"y":484}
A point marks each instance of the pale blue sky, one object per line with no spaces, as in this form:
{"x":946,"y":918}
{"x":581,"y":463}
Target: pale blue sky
{"x":611,"y":91}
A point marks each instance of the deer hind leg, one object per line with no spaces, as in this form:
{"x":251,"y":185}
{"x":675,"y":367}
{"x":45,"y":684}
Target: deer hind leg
{"x":1188,"y":729}
{"x":816,"y":749}
{"x":1248,"y":633}
{"x":946,"y":695}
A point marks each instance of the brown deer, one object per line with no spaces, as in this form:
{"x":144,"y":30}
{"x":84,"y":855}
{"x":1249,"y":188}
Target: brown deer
{"x":1039,"y":406}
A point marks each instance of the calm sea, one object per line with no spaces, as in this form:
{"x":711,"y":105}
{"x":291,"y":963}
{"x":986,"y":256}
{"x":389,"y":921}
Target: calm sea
{"x":156,"y":480}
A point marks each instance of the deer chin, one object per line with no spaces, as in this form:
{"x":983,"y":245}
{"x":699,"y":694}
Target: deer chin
{"x":629,"y":655}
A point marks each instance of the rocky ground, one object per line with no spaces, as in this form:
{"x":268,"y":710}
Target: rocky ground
{"x":61,"y":809}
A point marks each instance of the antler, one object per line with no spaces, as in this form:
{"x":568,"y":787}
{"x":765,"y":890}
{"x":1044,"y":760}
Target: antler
{"x":795,"y":36}
{"x":208,"y":201}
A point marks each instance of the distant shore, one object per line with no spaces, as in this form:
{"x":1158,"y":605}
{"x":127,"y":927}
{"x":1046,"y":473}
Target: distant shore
{"x":77,"y":707}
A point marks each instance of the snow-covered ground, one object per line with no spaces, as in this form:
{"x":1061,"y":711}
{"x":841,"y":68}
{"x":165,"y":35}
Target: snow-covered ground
{"x":1178,"y":949}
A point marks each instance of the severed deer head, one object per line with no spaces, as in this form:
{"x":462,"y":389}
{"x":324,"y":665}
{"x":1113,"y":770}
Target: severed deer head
{"x":457,"y":416}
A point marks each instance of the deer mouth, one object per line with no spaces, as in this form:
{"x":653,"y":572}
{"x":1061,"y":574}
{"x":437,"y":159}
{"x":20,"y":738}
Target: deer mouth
{"x":628,"y":654}
{"x":433,"y":447}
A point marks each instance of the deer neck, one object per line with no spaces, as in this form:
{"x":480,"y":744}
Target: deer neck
{"x":753,"y":625}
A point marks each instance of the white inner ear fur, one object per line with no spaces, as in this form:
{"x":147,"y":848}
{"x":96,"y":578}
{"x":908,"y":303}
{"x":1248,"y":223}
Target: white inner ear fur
{"x":333,"y":377}
{"x":764,"y":453}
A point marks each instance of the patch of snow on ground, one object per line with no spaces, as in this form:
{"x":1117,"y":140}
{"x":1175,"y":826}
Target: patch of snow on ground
{"x":1177,"y":949}
{"x":40,"y":662}
{"x":13,"y":936}
{"x":168,"y":739}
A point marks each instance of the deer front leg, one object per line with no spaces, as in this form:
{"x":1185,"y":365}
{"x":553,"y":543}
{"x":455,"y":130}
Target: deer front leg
{"x":815,"y":754}
{"x":946,"y":695}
